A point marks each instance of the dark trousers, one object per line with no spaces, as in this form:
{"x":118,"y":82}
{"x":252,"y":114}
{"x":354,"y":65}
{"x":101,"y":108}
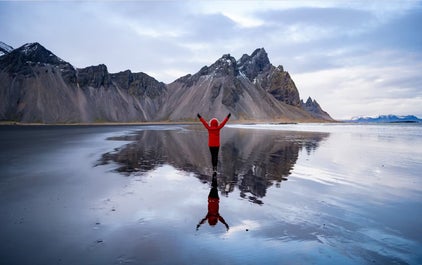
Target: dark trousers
{"x":214,"y":156}
{"x":214,"y":186}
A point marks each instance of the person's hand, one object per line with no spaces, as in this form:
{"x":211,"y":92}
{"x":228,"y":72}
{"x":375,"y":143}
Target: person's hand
{"x":199,"y":116}
{"x":228,"y":116}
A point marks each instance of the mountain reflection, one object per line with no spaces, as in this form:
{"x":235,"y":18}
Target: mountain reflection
{"x":252,"y":160}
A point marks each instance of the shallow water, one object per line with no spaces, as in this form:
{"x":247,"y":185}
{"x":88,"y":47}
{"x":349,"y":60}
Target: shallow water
{"x":290,"y":194}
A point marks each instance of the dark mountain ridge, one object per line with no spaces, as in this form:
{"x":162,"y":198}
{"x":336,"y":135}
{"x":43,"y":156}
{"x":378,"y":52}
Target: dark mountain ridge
{"x":38,"y":86}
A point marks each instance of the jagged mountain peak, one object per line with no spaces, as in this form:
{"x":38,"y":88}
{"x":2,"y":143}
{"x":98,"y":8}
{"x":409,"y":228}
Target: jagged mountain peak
{"x":139,"y":84}
{"x":260,"y":53}
{"x":312,"y":106}
{"x":94,"y":76}
{"x":226,"y":65}
{"x":256,"y":63}
{"x":225,"y":61}
{"x":100,"y":67}
{"x":310,"y":101}
{"x":31,"y":47}
{"x":35,"y":52}
{"x":257,"y":53}
{"x":30,"y":56}
{"x":248,"y":65}
{"x":227,"y":58}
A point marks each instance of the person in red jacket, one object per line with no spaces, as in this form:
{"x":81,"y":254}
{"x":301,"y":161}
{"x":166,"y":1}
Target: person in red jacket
{"x":214,"y":137}
{"x":213,"y":215}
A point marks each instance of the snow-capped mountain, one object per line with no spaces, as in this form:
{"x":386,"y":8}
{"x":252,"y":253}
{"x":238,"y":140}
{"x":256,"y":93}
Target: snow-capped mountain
{"x":387,"y":119}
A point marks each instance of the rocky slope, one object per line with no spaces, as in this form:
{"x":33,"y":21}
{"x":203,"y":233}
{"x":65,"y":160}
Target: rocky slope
{"x":38,"y":86}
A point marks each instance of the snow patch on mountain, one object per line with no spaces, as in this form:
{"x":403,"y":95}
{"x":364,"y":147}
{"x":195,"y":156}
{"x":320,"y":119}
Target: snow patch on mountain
{"x":4,"y":48}
{"x":386,"y":119}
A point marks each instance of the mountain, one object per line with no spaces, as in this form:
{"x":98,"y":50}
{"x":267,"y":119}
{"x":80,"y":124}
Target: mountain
{"x":314,"y":109}
{"x":387,"y":119}
{"x":5,"y":49}
{"x":250,"y":88}
{"x":38,"y":86}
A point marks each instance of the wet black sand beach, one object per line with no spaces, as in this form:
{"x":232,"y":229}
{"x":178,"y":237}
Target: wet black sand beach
{"x":296,"y":194}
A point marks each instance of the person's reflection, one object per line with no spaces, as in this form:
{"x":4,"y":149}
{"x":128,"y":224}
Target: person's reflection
{"x":213,"y":215}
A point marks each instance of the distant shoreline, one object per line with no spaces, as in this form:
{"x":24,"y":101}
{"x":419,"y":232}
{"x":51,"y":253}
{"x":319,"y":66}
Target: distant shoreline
{"x":93,"y":123}
{"x":13,"y":123}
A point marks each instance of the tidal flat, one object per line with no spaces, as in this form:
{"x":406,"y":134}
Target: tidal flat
{"x":289,"y":194}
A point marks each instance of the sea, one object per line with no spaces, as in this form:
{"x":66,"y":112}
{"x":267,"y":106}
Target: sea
{"x":148,"y":194}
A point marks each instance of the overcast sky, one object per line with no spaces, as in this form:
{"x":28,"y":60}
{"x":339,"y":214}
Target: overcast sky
{"x":356,"y":58}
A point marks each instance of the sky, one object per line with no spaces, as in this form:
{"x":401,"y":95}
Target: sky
{"x":356,"y":58}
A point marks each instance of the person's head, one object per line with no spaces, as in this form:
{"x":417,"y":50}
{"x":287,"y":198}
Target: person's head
{"x":212,"y":220}
{"x":214,"y":122}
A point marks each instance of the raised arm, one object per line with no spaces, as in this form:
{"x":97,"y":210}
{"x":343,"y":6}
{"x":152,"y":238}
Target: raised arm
{"x":224,"y":121}
{"x":223,"y":221}
{"x":204,"y":122}
{"x":201,"y":222}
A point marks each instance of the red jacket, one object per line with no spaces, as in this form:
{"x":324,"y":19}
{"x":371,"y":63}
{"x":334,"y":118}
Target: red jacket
{"x":213,"y":216}
{"x":213,"y":206}
{"x":214,"y":130}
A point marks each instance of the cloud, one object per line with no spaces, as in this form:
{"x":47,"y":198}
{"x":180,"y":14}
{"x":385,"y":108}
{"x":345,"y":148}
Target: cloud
{"x":333,"y":18}
{"x":398,"y":33}
{"x":384,"y":84}
{"x":341,"y":53}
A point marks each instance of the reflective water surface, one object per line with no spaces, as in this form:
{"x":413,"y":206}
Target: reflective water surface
{"x":251,"y":161}
{"x":282,"y":194}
